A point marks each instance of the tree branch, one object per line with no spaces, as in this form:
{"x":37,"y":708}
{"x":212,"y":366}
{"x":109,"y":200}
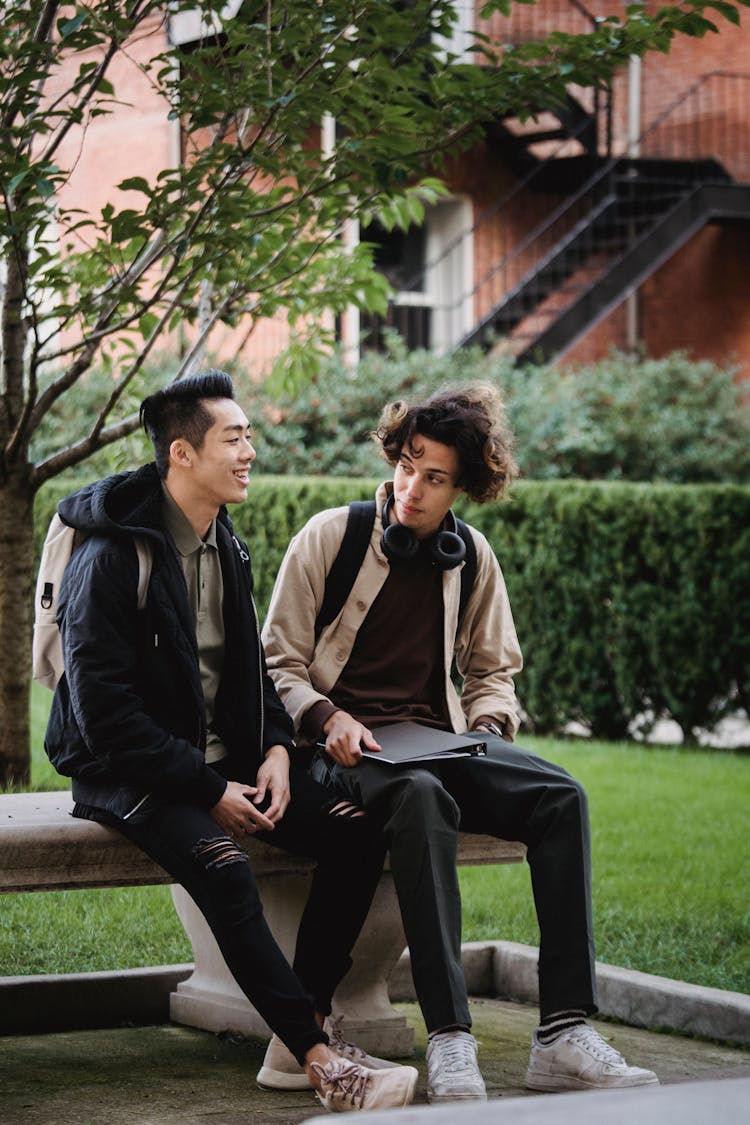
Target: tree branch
{"x":74,"y":454}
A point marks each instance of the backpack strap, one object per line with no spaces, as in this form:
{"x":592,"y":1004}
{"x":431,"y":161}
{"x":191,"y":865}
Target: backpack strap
{"x":346,"y":565}
{"x":469,"y":570}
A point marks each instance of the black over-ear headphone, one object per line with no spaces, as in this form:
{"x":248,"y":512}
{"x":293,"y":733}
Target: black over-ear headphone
{"x":446,"y":548}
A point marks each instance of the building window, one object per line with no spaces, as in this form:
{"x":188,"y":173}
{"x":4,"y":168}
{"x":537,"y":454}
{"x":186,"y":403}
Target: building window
{"x":430,"y":269}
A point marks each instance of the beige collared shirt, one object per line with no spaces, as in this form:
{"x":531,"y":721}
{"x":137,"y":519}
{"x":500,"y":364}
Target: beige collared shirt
{"x":205,"y":585}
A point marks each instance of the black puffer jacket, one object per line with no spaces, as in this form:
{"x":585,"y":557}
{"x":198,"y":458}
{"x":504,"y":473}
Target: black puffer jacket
{"x":128,"y":718}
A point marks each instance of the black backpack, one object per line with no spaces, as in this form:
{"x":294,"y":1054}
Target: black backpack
{"x":346,"y":565}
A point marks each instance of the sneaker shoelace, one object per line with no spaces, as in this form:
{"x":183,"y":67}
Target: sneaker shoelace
{"x":342,"y":1046}
{"x":455,"y":1053}
{"x":343,"y":1080}
{"x":592,"y":1041}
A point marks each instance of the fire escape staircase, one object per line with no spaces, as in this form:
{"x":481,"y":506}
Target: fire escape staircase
{"x":622,"y":220}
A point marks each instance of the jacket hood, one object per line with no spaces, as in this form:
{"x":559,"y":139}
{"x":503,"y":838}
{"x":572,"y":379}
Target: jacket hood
{"x":124,"y":503}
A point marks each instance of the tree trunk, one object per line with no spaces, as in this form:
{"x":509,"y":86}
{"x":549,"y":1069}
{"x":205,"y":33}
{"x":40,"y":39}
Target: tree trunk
{"x":16,"y":609}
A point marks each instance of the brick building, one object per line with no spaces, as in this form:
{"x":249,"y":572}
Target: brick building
{"x":621,"y":220}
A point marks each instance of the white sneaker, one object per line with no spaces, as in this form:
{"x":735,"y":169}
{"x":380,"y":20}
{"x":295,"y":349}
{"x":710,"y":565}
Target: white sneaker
{"x":452,"y":1071}
{"x":281,"y":1071}
{"x":580,"y":1059}
{"x":345,"y":1086}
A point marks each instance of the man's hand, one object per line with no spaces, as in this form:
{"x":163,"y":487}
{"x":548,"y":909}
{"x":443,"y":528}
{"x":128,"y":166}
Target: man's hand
{"x":235,"y":812}
{"x":343,"y":737}
{"x":273,"y":778}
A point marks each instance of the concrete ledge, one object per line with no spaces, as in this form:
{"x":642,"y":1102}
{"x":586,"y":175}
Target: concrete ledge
{"x":82,"y":1001}
{"x":503,"y":970}
{"x":508,"y":970}
{"x":691,"y":1103}
{"x":645,"y":1000}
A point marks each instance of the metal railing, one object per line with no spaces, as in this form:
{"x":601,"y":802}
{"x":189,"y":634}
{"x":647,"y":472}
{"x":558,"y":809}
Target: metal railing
{"x":706,"y":127}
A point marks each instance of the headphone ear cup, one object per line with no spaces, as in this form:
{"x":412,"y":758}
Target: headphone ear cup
{"x":399,"y":542}
{"x":447,"y":549}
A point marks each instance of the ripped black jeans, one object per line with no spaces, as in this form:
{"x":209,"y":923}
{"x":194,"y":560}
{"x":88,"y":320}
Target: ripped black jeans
{"x":187,"y":842}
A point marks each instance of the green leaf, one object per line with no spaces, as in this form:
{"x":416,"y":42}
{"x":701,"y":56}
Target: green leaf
{"x":135,"y":183}
{"x":17,"y":180}
{"x":728,"y":11}
{"x":147,"y":324}
{"x":44,"y":186}
{"x":69,"y":27}
{"x":127,"y":224}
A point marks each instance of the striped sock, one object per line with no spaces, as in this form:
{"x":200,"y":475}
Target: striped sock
{"x":552,"y":1027}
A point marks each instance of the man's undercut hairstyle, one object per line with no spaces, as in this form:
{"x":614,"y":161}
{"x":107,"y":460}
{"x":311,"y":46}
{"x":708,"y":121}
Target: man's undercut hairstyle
{"x":180,"y":411}
{"x":469,"y":419}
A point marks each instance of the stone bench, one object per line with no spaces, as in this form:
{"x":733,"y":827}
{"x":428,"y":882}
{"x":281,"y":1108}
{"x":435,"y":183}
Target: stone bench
{"x":44,"y":848}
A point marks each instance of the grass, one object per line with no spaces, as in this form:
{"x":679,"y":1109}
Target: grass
{"x":44,"y":778}
{"x":670,"y":864}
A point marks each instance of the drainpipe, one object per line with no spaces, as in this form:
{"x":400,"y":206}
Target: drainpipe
{"x":632,"y":310}
{"x":350,"y":236}
{"x":174,"y":143}
{"x":350,"y":325}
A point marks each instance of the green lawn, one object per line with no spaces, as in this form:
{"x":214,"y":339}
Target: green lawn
{"x":671,"y":856}
{"x":670,"y":848}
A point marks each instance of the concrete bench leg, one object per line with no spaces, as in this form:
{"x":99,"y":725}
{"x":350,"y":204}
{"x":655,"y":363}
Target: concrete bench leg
{"x":210,"y":998}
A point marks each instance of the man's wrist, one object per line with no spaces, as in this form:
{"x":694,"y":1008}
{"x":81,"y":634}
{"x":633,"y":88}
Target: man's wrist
{"x":327,"y":724}
{"x":491,"y":728}
{"x":272,"y":749}
{"x":315,"y":718}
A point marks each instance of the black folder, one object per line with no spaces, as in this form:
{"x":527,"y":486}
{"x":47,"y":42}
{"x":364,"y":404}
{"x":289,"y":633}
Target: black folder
{"x":409,"y":743}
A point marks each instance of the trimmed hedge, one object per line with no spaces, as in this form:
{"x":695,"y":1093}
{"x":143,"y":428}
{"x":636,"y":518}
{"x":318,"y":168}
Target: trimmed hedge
{"x":629,"y":599}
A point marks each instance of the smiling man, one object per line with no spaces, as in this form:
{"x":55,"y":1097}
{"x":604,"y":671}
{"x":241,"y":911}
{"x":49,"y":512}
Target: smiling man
{"x":172,"y":731}
{"x":386,"y":657}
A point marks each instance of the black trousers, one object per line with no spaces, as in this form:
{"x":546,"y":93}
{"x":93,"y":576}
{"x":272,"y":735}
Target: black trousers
{"x":187,"y":842}
{"x":511,"y":794}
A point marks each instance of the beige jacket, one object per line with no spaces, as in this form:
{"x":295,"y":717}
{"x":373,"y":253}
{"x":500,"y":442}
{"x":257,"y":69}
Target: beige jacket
{"x":486,"y":648}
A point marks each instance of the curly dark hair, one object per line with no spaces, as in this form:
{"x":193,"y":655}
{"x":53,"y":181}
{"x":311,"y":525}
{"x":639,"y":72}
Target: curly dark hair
{"x":469,"y":419}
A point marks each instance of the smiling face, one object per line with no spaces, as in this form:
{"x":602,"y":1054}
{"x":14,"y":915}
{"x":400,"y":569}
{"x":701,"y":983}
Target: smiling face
{"x":424,"y":485}
{"x":202,"y":478}
{"x":220,"y":468}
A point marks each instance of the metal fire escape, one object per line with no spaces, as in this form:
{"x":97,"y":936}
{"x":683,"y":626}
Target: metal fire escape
{"x":589,"y":214}
{"x":620,"y":219}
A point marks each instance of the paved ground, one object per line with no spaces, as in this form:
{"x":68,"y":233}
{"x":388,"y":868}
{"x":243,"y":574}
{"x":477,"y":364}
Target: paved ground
{"x":171,"y":1075}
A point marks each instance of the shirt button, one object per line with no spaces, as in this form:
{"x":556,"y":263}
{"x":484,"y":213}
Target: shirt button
{"x":341,"y":655}
{"x":361,"y":605}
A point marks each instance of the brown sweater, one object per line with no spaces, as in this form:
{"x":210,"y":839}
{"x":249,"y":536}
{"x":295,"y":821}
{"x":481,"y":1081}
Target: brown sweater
{"x":395,"y":670}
